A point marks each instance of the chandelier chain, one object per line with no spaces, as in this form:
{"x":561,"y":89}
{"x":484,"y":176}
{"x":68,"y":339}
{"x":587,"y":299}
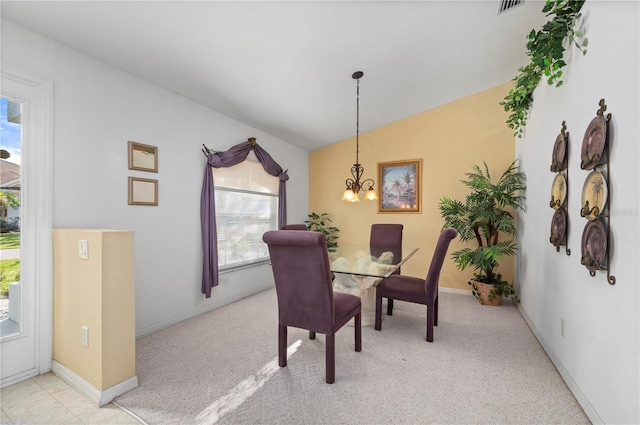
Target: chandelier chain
{"x":357,"y":120}
{"x":355,"y":185}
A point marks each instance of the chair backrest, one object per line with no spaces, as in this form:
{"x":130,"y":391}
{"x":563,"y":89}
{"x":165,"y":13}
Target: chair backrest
{"x":433,"y":275}
{"x":386,"y":237}
{"x":386,"y":234}
{"x":302,"y":275}
{"x":294,"y":227}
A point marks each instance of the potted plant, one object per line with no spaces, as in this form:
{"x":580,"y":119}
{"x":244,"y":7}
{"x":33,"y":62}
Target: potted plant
{"x":321,"y":223}
{"x":483,"y":217}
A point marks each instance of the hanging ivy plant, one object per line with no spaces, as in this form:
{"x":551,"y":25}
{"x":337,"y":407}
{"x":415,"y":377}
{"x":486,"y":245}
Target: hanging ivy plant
{"x":546,"y":50}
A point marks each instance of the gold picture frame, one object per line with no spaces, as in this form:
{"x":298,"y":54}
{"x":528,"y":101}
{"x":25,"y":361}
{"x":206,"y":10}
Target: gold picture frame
{"x":143,"y":157}
{"x":143,"y":191}
{"x":399,"y":186}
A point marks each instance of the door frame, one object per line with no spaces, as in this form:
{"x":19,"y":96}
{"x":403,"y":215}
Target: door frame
{"x":36,"y":212}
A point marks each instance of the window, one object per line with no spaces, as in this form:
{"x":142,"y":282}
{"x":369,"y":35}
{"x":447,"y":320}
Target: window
{"x":246,"y":200}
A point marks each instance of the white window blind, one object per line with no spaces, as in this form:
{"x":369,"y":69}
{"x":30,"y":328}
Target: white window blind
{"x":246,"y":200}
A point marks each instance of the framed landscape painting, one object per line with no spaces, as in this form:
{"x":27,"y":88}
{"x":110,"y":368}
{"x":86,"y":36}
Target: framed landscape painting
{"x":399,"y":186}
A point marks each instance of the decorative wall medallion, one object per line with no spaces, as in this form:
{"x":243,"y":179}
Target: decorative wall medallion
{"x":595,"y":140}
{"x":558,"y":191}
{"x":559,"y":228}
{"x":594,"y":195}
{"x":594,"y":245}
{"x":593,"y":144}
{"x":559,"y":155}
{"x":596,"y":234}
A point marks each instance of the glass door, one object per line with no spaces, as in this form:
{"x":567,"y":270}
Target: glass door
{"x":10,"y":182}
{"x":26,"y":268}
{"x":17,"y":331}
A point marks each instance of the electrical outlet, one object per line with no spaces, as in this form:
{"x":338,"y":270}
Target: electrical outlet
{"x":83,"y":249}
{"x":85,"y":336}
{"x":562,"y":327}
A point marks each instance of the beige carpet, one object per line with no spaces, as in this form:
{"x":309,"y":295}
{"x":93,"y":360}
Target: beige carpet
{"x":484,"y":367}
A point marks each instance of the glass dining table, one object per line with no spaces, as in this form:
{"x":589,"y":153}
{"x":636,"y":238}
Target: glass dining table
{"x":359,"y":268}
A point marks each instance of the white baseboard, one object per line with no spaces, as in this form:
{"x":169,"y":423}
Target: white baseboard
{"x":564,"y":373}
{"x":96,"y":396}
{"x":566,"y":376}
{"x":455,"y":290}
{"x":204,"y":308}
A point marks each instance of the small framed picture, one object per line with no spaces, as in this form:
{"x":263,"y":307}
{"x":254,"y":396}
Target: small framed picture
{"x":143,"y":157}
{"x":399,"y":186}
{"x":143,"y":191}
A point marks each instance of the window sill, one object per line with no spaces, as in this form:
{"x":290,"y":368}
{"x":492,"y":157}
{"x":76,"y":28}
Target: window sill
{"x":242,"y":267}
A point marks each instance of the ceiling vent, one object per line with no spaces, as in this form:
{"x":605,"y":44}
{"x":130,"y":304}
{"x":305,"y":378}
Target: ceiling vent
{"x":505,"y":5}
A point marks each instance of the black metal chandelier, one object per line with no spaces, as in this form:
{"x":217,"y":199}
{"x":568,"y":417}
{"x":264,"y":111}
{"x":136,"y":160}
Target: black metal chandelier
{"x":354,"y":185}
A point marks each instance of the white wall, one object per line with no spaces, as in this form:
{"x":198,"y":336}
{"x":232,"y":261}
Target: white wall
{"x":97,"y":110}
{"x":599,"y":354}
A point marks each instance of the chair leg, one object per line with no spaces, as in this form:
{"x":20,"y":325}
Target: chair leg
{"x":330,"y":358}
{"x":312,"y":335}
{"x":430,"y":319}
{"x":282,"y":345}
{"x":358,"y":332}
{"x":389,"y":306}
{"x":435,"y":318}
{"x":378,"y":322}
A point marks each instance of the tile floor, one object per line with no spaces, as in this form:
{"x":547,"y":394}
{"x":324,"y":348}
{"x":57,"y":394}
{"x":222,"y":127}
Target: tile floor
{"x":48,"y":400}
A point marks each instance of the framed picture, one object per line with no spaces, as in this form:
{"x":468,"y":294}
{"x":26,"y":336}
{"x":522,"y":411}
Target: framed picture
{"x":399,"y":186}
{"x":143,"y":157}
{"x":143,"y":191}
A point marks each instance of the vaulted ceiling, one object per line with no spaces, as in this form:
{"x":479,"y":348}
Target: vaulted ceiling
{"x":285,"y":67}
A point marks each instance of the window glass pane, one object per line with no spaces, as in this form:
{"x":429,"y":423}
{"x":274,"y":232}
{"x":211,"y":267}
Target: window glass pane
{"x":10,"y":212}
{"x":241,"y":220}
{"x":246,"y":200}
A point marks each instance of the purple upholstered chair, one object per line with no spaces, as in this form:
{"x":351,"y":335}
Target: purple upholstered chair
{"x":386,"y":237}
{"x":386,"y":234}
{"x":306,"y":299}
{"x":416,"y":290}
{"x":294,"y":227}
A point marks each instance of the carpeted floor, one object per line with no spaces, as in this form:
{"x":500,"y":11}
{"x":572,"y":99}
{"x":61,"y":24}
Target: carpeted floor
{"x":484,"y":367}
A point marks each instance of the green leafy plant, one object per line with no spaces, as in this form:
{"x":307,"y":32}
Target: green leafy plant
{"x":323,"y":224}
{"x":10,"y":225}
{"x":9,"y":273}
{"x":8,"y":199}
{"x":484,"y":215}
{"x":546,"y":49}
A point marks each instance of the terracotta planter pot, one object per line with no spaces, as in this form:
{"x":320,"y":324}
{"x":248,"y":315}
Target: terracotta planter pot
{"x":482,"y":291}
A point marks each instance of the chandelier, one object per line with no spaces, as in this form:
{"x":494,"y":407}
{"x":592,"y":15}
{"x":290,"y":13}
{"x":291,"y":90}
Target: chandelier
{"x":354,"y":185}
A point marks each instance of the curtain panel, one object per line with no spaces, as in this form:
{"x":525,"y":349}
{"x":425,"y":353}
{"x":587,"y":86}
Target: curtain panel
{"x":229,"y":158}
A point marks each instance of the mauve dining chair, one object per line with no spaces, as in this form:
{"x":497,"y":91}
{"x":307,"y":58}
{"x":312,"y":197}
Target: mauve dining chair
{"x":306,"y":300}
{"x":301,"y":226}
{"x":386,"y":237}
{"x":294,"y":227}
{"x":416,"y":290}
{"x":386,"y":234}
